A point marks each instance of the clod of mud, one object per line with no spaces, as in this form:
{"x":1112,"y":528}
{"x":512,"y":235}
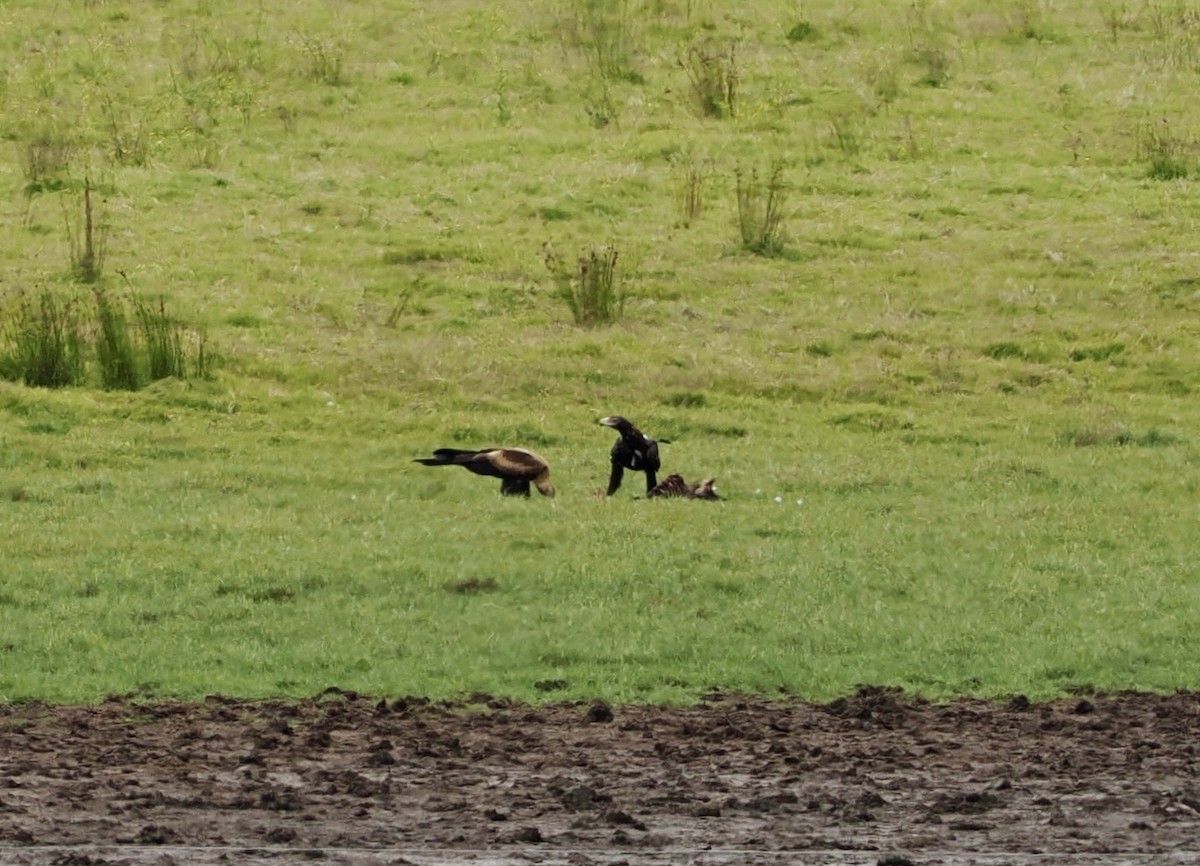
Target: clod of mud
{"x":599,"y":712}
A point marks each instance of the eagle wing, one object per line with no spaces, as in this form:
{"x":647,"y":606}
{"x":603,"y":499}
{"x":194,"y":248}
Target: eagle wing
{"x":516,"y":463}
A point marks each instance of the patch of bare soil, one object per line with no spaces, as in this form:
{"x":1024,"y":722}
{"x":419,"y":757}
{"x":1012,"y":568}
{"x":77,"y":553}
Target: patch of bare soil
{"x":872,"y":778}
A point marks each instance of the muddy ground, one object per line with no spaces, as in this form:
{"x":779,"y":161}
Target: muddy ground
{"x":873,"y":778}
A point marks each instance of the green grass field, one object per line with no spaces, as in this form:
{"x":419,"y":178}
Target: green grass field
{"x":953,"y":410}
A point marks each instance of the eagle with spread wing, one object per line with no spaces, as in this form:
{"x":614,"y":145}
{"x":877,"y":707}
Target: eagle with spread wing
{"x":516,"y":468}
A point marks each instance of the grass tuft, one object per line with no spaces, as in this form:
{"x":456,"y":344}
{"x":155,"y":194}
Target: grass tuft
{"x":1090,"y":437}
{"x":115,"y":349}
{"x":163,"y":339}
{"x":44,"y":344}
{"x":1103,"y":352}
{"x":803,"y":31}
{"x":686,"y":399}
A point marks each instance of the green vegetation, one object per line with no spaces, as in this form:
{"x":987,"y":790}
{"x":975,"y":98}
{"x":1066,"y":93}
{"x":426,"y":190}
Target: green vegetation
{"x":45,"y":348}
{"x":760,"y":208}
{"x":954,"y":416}
{"x":592,"y":289}
{"x":713,"y":77}
{"x":43,"y":344}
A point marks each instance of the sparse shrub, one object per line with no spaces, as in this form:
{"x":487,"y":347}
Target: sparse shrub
{"x":911,"y":147}
{"x":713,"y":76}
{"x":44,"y":344}
{"x":604,"y":31}
{"x":936,"y":65}
{"x":1116,"y":18}
{"x":45,"y":151}
{"x":504,"y":113}
{"x":128,"y":135}
{"x":210,"y":82}
{"x":324,"y":58}
{"x":200,"y":50}
{"x":404,"y":300}
{"x":202,"y":107}
{"x":760,"y":210}
{"x":1168,"y":154}
{"x":844,"y":129}
{"x":1029,"y":20}
{"x":86,"y":238}
{"x":599,"y":104}
{"x":884,"y":82}
{"x":1175,"y":28}
{"x":592,"y":289}
{"x":691,"y":192}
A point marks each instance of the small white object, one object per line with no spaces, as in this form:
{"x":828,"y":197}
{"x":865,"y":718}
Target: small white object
{"x":799,"y":501}
{"x":331,"y":404}
{"x":779,"y":499}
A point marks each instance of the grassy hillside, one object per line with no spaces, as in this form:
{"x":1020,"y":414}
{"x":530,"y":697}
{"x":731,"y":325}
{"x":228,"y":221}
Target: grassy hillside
{"x":952,"y":407}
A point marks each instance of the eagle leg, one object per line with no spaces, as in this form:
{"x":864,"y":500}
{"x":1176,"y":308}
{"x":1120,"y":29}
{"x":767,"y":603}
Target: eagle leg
{"x":614,"y":481}
{"x":514,"y":487}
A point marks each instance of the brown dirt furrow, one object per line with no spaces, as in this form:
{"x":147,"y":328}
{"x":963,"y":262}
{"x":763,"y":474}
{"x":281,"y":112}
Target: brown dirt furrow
{"x":870,"y":778}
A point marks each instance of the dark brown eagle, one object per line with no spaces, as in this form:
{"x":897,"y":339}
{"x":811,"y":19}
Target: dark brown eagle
{"x":634,"y":450}
{"x":515,"y":467}
{"x":674,"y":485}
